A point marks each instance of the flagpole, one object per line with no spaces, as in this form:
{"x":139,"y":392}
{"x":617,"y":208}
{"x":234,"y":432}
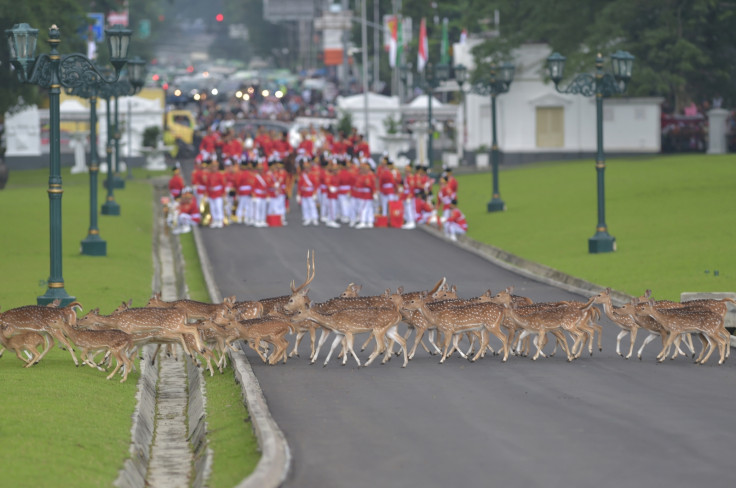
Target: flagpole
{"x":364,"y":35}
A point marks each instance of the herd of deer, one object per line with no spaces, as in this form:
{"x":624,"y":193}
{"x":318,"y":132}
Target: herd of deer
{"x":206,"y":328}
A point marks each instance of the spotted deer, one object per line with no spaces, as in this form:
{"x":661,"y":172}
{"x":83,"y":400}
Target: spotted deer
{"x":692,"y":320}
{"x":268,"y":330}
{"x":196,"y":310}
{"x":47,"y":321}
{"x":156,"y":323}
{"x":623,"y":320}
{"x":27,"y":342}
{"x":484,"y":317}
{"x":379,"y":322}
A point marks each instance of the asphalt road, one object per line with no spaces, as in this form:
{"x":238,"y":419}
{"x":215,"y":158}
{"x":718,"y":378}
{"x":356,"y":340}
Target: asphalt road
{"x":599,"y":421}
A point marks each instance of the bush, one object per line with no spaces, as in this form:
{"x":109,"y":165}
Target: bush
{"x":151,"y":136}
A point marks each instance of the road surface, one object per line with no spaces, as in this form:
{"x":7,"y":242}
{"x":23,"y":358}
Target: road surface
{"x":599,"y":421}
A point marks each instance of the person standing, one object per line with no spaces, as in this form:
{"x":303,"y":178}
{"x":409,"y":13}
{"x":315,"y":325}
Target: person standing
{"x":244,"y":188}
{"x":215,"y":195}
{"x":407,"y":195}
{"x":261,"y":183}
{"x":332,"y":195}
{"x":307,"y":195}
{"x":388,"y":182}
{"x":345,"y":180}
{"x":176,"y":183}
{"x":365,"y":186}
{"x":199,"y":181}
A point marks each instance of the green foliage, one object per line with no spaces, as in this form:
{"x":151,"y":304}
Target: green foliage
{"x":151,"y":136}
{"x":667,"y":214}
{"x":345,"y":124}
{"x":391,"y":125}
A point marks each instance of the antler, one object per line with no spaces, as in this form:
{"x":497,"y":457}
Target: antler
{"x":310,"y":273}
{"x":439,"y":285}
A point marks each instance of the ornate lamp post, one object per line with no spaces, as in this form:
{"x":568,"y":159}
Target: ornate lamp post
{"x":54,"y":71}
{"x":434,"y":76}
{"x":461,"y":76}
{"x":93,"y":244}
{"x":601,"y":85}
{"x":497,"y":81}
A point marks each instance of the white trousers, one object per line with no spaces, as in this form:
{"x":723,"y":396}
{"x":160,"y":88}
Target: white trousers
{"x":344,"y":204}
{"x":365,"y":210}
{"x":410,"y":211}
{"x":452,"y":229}
{"x":244,"y":212}
{"x":309,"y":209}
{"x":384,"y":202}
{"x":216,"y":209}
{"x":259,"y":209}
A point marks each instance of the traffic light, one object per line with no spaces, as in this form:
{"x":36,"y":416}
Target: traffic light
{"x":219,"y":17}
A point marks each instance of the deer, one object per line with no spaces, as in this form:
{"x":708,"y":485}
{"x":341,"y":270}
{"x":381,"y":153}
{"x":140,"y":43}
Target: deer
{"x":618,"y":316}
{"x":269,"y":330}
{"x":115,"y":341}
{"x":163,"y":323}
{"x":352,"y":290}
{"x":274,"y":305}
{"x":689,"y":319}
{"x":27,"y":342}
{"x":483,"y":317}
{"x":47,"y":321}
{"x":380,"y":322}
{"x":550,"y":319}
{"x":196,"y":310}
{"x":248,"y":309}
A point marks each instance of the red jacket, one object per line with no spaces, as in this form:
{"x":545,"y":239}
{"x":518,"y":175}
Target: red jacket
{"x":192,"y":209}
{"x":215,"y":184}
{"x":388,"y":181}
{"x":176,"y":185}
{"x":365,"y":186}
{"x":345,"y":181}
{"x":459,"y":218}
{"x":306,"y":187}
{"x":261,"y":182}
{"x":199,"y":181}
{"x":244,"y":183}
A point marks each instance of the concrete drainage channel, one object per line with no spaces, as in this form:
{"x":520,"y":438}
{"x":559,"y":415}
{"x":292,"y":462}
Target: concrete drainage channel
{"x":169,"y":444}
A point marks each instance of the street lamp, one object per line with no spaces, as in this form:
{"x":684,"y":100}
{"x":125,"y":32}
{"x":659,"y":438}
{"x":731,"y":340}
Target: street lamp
{"x":434,"y":76}
{"x":601,"y":85}
{"x":93,"y":244}
{"x":54,"y":71}
{"x":461,"y":76}
{"x":125,"y":88}
{"x":495,"y":82}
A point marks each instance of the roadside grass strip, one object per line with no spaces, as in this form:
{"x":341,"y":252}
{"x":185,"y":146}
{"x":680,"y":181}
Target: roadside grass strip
{"x":672,"y":217}
{"x":230,"y":436}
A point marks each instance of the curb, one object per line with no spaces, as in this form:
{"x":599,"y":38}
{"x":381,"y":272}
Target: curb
{"x":532,"y":270}
{"x":273,"y":467}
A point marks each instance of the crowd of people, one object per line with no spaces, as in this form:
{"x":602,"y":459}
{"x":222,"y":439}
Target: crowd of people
{"x":332,"y":177}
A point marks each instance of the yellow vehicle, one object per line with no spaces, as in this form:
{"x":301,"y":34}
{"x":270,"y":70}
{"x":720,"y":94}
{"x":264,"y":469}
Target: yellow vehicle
{"x":179,"y":127}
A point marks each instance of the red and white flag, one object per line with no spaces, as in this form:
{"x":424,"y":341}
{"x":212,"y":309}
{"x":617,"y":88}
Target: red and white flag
{"x":423,"y":54}
{"x":393,"y":43}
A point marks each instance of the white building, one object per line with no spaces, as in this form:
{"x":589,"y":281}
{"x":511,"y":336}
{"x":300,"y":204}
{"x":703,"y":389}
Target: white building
{"x":536,"y":122}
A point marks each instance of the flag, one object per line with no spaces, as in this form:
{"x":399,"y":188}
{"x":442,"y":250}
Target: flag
{"x":423,"y":53}
{"x":464,"y":36}
{"x":399,"y":41}
{"x":445,"y":46}
{"x":393,"y":41}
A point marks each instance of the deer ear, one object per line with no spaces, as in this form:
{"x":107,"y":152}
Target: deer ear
{"x":400,"y":290}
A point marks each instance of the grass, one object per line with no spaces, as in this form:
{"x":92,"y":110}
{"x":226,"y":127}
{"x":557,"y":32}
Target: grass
{"x":671,"y":217}
{"x":229,"y":433}
{"x":61,"y":425}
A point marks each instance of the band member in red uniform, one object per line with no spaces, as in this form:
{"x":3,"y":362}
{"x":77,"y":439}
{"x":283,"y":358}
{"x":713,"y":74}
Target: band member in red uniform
{"x":388,"y":184}
{"x":451,"y":180}
{"x":332,"y":180}
{"x":279,"y":199}
{"x":455,"y":223}
{"x":306,"y":144}
{"x":407,"y":195}
{"x":361,"y":146}
{"x":188,"y":212}
{"x":261,"y":183}
{"x":306,"y":191}
{"x":426,"y":214}
{"x":244,"y":189}
{"x":445,"y":196}
{"x":215,"y":194}
{"x":231,"y":183}
{"x":176,"y":183}
{"x":345,"y":180}
{"x":199,"y":181}
{"x":365,"y":187}
{"x":208,"y":145}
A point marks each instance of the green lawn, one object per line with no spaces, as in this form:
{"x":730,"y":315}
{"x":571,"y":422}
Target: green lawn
{"x":61,"y":425}
{"x":229,"y":432}
{"x":672,"y":217}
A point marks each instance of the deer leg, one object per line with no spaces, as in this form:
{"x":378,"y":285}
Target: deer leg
{"x":60,"y":337}
{"x":540,"y":345}
{"x":633,"y":333}
{"x":380,"y":346}
{"x":312,"y":339}
{"x":417,"y":340}
{"x":432,"y":333}
{"x":322,"y":339}
{"x":298,"y":339}
{"x":49,"y":344}
{"x":704,"y":344}
{"x":393,"y":333}
{"x":365,"y":344}
{"x":446,"y":345}
{"x":648,"y":339}
{"x":663,"y":354}
{"x":689,"y":343}
{"x":563,"y":340}
{"x":253,"y":344}
{"x":711,"y":347}
{"x":338,"y":339}
{"x":620,"y":336}
{"x":350,"y":340}
{"x":119,"y":362}
{"x":504,"y":341}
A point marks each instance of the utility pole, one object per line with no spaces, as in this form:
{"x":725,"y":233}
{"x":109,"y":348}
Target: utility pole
{"x":345,"y":39}
{"x":376,"y":46}
{"x":364,"y":35}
